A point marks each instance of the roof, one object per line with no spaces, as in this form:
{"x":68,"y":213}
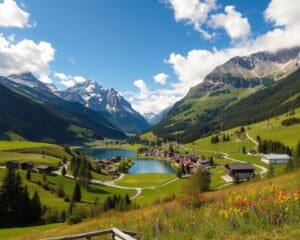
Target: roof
{"x":28,"y":163}
{"x":43,"y":167}
{"x":273,"y":156}
{"x":240,"y":166}
{"x":13,"y":161}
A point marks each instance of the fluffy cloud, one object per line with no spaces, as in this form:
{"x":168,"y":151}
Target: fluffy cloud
{"x":69,"y":81}
{"x":192,"y":68}
{"x":25,"y":55}
{"x":161,"y":78}
{"x":144,"y":90}
{"x":194,"y":12}
{"x":232,"y":21}
{"x":45,"y":79}
{"x":11,"y":15}
{"x":284,"y":14}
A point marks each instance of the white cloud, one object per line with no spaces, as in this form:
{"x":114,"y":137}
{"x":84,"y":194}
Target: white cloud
{"x":25,"y":55}
{"x":192,"y":68}
{"x":45,"y":79}
{"x":68,"y":80}
{"x":284,"y":13}
{"x":11,"y":15}
{"x":144,"y":91}
{"x":232,"y":21}
{"x":161,"y":78}
{"x":193,"y":12}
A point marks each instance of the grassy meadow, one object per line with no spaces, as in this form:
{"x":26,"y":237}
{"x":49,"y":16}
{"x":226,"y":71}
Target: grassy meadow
{"x":268,"y":209}
{"x":145,"y":179}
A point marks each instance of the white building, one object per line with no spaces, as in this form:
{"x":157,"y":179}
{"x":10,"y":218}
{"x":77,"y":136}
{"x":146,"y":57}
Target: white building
{"x":275,"y":158}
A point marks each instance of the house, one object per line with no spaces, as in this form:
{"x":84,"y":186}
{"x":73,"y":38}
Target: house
{"x":44,"y":169}
{"x":252,"y":152}
{"x":239,"y":170}
{"x":13,"y":164}
{"x":26,"y":165}
{"x":113,"y":170}
{"x":275,"y":158}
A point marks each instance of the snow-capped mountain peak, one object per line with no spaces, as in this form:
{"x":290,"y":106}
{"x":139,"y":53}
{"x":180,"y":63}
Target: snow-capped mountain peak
{"x":109,"y":101}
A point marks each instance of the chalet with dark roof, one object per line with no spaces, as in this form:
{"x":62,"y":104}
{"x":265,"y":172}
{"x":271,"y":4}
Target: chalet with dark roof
{"x":26,"y":165}
{"x":12,"y":164}
{"x":239,"y":171}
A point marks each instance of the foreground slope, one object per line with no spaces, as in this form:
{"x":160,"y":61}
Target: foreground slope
{"x":250,"y":211}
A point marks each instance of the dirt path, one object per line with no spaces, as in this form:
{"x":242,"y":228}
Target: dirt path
{"x":251,"y":139}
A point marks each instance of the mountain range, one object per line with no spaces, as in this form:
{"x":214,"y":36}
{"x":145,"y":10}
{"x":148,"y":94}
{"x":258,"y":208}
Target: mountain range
{"x":110,"y":103}
{"x":30,"y":110}
{"x":250,"y":81}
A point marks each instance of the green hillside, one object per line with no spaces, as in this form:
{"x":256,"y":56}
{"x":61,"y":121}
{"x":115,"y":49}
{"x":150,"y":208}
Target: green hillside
{"x":194,"y":117}
{"x":226,"y":213}
{"x":61,"y":122}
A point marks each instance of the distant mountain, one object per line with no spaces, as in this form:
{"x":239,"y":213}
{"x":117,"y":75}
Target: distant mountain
{"x":226,"y":86}
{"x":30,"y":109}
{"x":154,"y":119}
{"x":109,"y":102}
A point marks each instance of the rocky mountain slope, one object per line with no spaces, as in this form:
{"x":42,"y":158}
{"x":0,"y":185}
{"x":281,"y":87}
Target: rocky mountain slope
{"x":31,"y":110}
{"x":224,"y":87}
{"x":110,"y":103}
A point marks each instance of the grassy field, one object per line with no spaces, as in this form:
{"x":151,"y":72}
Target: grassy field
{"x":13,"y":145}
{"x":145,"y":179}
{"x":109,"y":144}
{"x":273,"y":130}
{"x":156,"y":195}
{"x":32,"y":157}
{"x":225,"y":214}
{"x":93,"y":193}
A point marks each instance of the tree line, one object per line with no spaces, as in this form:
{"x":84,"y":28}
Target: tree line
{"x":16,"y":206}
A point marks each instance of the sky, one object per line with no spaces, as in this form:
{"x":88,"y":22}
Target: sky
{"x":151,"y":51}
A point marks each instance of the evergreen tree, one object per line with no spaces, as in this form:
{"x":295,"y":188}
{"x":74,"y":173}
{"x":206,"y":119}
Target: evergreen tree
{"x":11,"y":195}
{"x":211,"y":161}
{"x":178,"y":172}
{"x":183,"y":170}
{"x":76,"y":193}
{"x":244,"y":151}
{"x":28,"y":175}
{"x":200,"y":180}
{"x":36,"y":207}
{"x":63,"y":171}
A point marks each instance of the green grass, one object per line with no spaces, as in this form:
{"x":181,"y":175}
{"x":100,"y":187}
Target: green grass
{"x":145,"y":179}
{"x":273,"y":130}
{"x":148,"y":136}
{"x":209,"y":221}
{"x":110,"y":144}
{"x":204,"y":145}
{"x":51,"y":200}
{"x":12,"y":145}
{"x":20,"y":231}
{"x":32,"y":157}
{"x":150,"y":196}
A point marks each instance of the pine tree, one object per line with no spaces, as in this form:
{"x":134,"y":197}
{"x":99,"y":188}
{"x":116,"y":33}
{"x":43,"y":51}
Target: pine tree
{"x":178,"y":172}
{"x":36,"y":207}
{"x":63,"y":171}
{"x":290,"y":165}
{"x":28,"y":175}
{"x":76,"y":193}
{"x":244,"y":151}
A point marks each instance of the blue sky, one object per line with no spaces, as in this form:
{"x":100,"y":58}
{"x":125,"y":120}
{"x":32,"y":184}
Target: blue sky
{"x":124,"y":44}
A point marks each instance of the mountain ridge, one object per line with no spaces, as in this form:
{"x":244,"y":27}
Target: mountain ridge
{"x":109,"y":102}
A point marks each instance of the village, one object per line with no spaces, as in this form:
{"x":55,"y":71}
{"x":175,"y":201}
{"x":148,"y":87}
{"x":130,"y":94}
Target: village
{"x":188,"y":163}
